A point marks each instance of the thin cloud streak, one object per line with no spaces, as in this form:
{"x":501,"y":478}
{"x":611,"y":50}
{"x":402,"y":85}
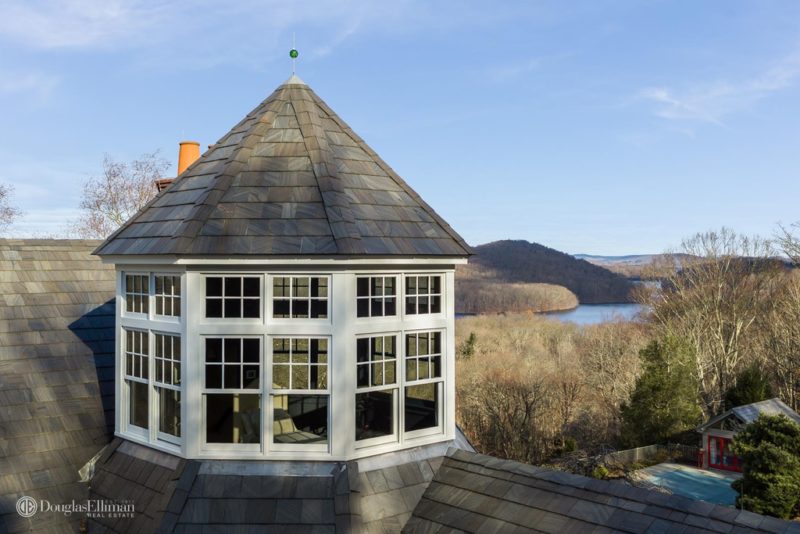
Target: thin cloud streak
{"x":712,"y":102}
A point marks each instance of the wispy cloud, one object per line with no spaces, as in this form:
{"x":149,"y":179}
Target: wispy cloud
{"x":712,"y":102}
{"x":35,"y":84}
{"x":511,"y":71}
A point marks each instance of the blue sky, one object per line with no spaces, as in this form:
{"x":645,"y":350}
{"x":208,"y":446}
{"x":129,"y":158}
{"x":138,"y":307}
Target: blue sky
{"x":605,"y":127}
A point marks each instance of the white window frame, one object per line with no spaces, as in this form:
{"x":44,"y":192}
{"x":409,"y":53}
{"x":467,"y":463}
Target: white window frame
{"x":147,"y":296}
{"x":429,"y":294}
{"x":398,"y":305}
{"x":439,"y":382}
{"x":167,"y":297}
{"x":395,"y":388}
{"x":162,"y":385}
{"x":271,"y":391}
{"x":231,"y":320}
{"x":143,"y":433}
{"x":204,"y":391}
{"x":297,"y":320}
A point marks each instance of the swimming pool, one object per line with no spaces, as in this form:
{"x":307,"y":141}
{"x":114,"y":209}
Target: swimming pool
{"x":698,"y":484}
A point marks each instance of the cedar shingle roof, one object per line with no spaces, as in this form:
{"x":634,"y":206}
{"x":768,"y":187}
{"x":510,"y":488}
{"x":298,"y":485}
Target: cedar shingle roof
{"x":56,"y":373}
{"x":290,"y":179}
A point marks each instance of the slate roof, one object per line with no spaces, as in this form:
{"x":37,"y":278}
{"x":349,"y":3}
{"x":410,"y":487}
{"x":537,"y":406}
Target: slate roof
{"x":290,"y":179}
{"x":56,"y":373}
{"x":476,"y":493}
{"x":750,"y":412}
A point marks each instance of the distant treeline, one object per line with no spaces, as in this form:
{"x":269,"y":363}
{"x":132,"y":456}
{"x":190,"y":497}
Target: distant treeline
{"x":524,"y":262}
{"x":483,"y":296}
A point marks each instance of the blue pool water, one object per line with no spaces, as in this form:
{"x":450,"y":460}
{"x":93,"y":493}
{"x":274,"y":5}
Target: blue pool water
{"x":694,"y":483}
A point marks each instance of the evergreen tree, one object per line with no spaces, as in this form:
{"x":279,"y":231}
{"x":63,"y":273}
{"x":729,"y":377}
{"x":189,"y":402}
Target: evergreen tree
{"x":665,"y":400}
{"x":770,"y":451}
{"x":752,"y":385}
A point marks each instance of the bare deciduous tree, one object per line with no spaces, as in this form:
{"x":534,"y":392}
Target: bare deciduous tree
{"x":122,"y":190}
{"x":712,"y":296}
{"x":8,"y":213}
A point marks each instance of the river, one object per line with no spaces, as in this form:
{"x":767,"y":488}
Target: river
{"x":596,"y":313}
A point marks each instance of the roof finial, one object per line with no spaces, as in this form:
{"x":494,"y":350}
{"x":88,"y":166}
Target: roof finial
{"x":293,"y":53}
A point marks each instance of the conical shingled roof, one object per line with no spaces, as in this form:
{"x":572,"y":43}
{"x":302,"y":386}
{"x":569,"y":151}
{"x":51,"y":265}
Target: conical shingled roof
{"x":290,"y":179}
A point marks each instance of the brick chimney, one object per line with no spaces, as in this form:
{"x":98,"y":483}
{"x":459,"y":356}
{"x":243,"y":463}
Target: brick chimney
{"x":188,"y":153}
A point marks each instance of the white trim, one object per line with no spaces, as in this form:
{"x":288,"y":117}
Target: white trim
{"x":278,"y":261}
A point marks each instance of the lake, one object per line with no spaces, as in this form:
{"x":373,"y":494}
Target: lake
{"x":596,"y":313}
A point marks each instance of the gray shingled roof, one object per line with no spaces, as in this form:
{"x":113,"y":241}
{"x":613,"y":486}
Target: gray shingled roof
{"x":56,"y":373}
{"x":750,"y":412}
{"x":290,"y":179}
{"x":476,"y":493}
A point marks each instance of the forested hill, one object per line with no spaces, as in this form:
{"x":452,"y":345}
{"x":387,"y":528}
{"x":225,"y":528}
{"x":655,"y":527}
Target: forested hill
{"x":520,"y":261}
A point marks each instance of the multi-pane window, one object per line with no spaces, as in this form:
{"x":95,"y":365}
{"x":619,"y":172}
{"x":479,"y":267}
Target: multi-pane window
{"x":376,"y":361}
{"x":423,"y":358}
{"x":137,"y":366}
{"x":137,"y":293}
{"x":300,"y":383}
{"x":376,"y":296}
{"x":300,"y":297}
{"x":167,"y":378}
{"x":423,"y":355}
{"x":232,"y":382}
{"x":168,"y":295}
{"x":233,"y":296}
{"x":376,"y":379}
{"x":423,"y":294}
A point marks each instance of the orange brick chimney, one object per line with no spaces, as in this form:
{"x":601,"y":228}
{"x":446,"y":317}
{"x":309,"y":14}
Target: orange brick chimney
{"x":188,"y":153}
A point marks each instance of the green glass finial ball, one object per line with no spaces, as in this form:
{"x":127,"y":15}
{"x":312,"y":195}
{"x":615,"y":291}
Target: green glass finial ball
{"x":293,"y":53}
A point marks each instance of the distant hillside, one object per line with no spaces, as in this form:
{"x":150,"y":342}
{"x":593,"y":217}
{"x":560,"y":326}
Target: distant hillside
{"x":521,"y":261}
{"x":631,"y":266}
{"x":484,"y":296}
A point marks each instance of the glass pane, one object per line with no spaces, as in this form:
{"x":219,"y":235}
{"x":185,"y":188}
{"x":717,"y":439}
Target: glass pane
{"x":422,"y":305}
{"x":423,"y":344}
{"x":362,"y":349}
{"x":376,"y":284}
{"x":436,"y":342}
{"x":319,"y":377}
{"x":213,"y":307}
{"x":129,"y":284}
{"x":169,"y":412}
{"x":362,"y":308}
{"x":159,"y":305}
{"x":319,"y":287}
{"x":300,"y":309}
{"x":362,"y":375}
{"x":213,"y":376}
{"x":251,"y":308}
{"x":280,"y":308}
{"x":280,"y":350}
{"x":422,"y":407}
{"x":436,"y":366}
{"x":129,"y":364}
{"x":139,"y":406}
{"x":233,"y":287}
{"x":377,"y":374}
{"x":233,"y":350}
{"x":176,"y":374}
{"x":411,"y":305}
{"x":390,"y":306}
{"x":137,"y":284}
{"x":411,"y":344}
{"x":299,"y":377}
{"x":213,"y":286}
{"x":362,"y":287}
{"x":377,"y":307}
{"x":388,"y":286}
{"x":176,"y":307}
{"x":176,"y":285}
{"x":436,"y":304}
{"x":280,"y":376}
{"x":374,"y":414}
{"x":436,"y":284}
{"x":423,"y":369}
{"x":411,"y":285}
{"x":300,"y":287}
{"x":422,"y":285}
{"x":251,"y":377}
{"x":411,"y":369}
{"x":251,"y":287}
{"x":280,"y":287}
{"x":232,"y":378}
{"x":159,"y":285}
{"x":159,"y":371}
{"x":389,"y":370}
{"x":213,"y":350}
{"x":233,"y":308}
{"x":319,"y":309}
{"x":301,"y":419}
{"x":388,"y":347}
{"x":251,"y":349}
{"x":233,"y":418}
